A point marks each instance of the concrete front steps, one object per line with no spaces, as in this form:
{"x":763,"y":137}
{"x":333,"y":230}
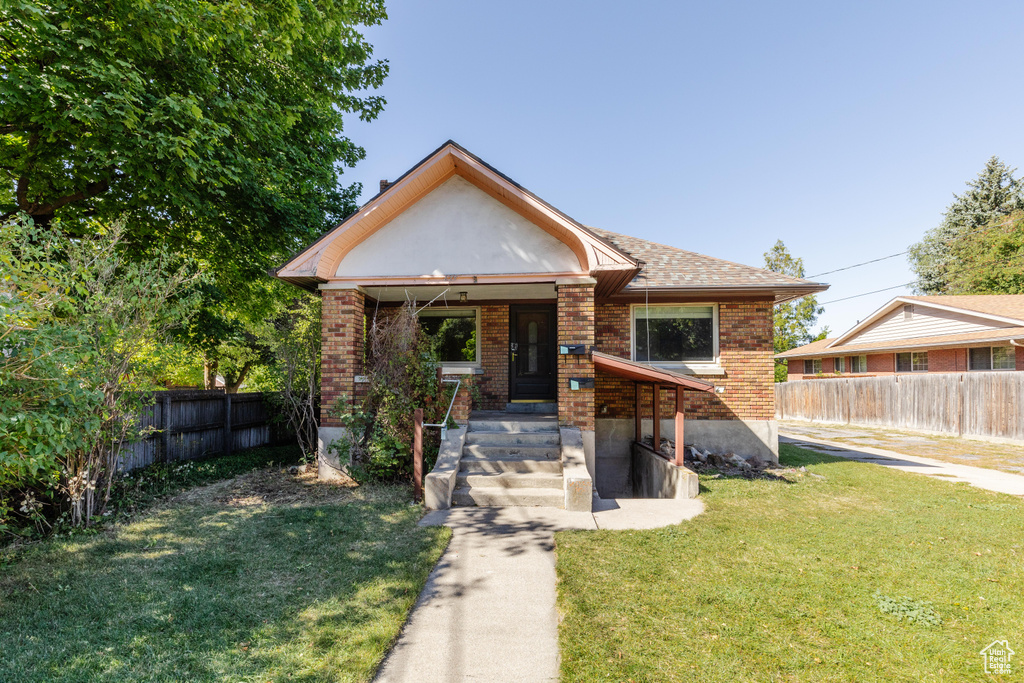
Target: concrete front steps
{"x":510,"y":460}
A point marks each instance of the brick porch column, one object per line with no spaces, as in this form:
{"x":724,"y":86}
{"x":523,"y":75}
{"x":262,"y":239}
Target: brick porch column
{"x":341,"y":360}
{"x":576,"y":326}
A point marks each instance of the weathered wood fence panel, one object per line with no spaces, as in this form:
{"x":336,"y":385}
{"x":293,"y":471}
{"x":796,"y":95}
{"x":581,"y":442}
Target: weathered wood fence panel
{"x":186,"y":425}
{"x":987,"y":404}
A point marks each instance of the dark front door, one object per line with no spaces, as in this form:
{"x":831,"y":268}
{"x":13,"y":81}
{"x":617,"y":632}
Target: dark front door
{"x":532,"y":353}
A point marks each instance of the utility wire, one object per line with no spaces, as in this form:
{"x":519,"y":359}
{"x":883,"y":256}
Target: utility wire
{"x":857,"y":265}
{"x":855,"y":296}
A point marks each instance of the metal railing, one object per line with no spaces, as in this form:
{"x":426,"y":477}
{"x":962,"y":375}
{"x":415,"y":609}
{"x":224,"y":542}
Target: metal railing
{"x":417,"y":438}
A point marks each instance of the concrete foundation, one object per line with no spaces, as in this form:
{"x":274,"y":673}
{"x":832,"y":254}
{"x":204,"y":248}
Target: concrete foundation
{"x":576,"y":479}
{"x":329,"y":466}
{"x":654,"y":477}
{"x":615,"y":435}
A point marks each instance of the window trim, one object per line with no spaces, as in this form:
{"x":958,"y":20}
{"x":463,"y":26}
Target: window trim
{"x":813,"y":362}
{"x":839,"y":365}
{"x":697,"y":367}
{"x":863,"y":368}
{"x":896,"y":365}
{"x":438,"y":312}
{"x":991,"y":359}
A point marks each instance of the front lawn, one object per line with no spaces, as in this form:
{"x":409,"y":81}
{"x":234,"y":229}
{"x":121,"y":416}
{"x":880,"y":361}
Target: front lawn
{"x":262,"y":577}
{"x":801,"y":580}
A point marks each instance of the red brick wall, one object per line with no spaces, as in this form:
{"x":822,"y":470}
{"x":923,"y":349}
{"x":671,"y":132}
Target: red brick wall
{"x":341,"y":350}
{"x":745,"y":353}
{"x":576,"y":325}
{"x":947,"y":360}
{"x":493,"y":384}
{"x":881,"y":363}
{"x":1020,"y":358}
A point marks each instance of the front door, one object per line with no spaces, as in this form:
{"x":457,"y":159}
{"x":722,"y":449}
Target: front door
{"x":532,"y":353}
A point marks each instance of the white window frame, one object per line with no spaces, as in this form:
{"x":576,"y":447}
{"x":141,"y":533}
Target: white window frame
{"x":862,"y":364}
{"x":839,"y":364}
{"x":991,"y":359}
{"x":815,"y":366}
{"x":711,"y":367}
{"x":453,"y":367}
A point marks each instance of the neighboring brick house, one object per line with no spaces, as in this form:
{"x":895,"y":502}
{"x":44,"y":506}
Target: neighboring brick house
{"x":912,"y":334}
{"x":517,"y":283}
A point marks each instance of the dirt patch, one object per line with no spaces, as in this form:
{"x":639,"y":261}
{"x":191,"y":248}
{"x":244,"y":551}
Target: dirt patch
{"x":271,"y":486}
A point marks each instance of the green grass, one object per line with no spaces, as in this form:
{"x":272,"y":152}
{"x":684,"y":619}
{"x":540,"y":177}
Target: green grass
{"x":801,"y":581}
{"x":260,"y":578}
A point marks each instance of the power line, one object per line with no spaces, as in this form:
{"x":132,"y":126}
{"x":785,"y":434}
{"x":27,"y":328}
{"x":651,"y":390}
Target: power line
{"x":856,"y":296}
{"x":858,"y":265}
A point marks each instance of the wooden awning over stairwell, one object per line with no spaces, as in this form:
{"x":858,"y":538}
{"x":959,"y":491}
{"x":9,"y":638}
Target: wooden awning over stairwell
{"x":658,"y":379}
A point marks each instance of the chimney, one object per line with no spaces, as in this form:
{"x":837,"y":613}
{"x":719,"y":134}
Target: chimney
{"x":384,"y":184}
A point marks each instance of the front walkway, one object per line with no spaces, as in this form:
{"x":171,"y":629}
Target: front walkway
{"x":993,"y":480}
{"x":487,"y":612}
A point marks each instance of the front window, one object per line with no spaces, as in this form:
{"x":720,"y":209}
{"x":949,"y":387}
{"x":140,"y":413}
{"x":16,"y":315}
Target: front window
{"x":859,"y":364}
{"x":839,"y":365}
{"x":812,"y":366}
{"x":453,"y":333}
{"x":674,"y":334}
{"x":992,"y":358}
{"x":916,"y":361}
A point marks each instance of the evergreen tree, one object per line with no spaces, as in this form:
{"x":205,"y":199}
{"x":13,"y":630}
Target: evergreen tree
{"x":793,"y":319}
{"x":989,"y":199}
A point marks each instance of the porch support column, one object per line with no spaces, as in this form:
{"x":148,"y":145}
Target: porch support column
{"x":576,"y":326}
{"x":342,"y":326}
{"x":679,"y":426}
{"x":639,"y":414}
{"x":656,"y":442}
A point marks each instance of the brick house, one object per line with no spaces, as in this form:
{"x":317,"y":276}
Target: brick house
{"x":911,"y":334}
{"x":541,"y":311}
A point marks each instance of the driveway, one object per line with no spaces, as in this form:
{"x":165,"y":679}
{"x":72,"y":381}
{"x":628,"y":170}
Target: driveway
{"x":992,"y":480}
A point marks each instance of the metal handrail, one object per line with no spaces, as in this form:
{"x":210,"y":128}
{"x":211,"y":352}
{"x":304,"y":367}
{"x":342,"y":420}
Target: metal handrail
{"x":444,"y":424}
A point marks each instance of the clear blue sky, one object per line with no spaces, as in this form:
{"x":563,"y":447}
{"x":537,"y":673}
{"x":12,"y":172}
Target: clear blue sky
{"x":841,"y":128}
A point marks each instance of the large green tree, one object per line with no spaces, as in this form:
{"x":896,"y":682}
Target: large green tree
{"x":793,"y":320}
{"x":215,"y":127}
{"x":990,"y":260}
{"x":970,"y":223}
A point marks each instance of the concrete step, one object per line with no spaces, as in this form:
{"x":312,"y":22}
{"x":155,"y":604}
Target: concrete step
{"x":510,"y":480}
{"x":498,"y":497}
{"x":513,"y":438}
{"x":544,"y":408}
{"x":513,"y":451}
{"x":510,"y":425}
{"x":482,"y":465}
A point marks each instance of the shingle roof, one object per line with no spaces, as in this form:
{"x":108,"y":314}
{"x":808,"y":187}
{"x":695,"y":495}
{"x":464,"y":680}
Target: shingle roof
{"x":666,"y":266}
{"x":1004,"y":305}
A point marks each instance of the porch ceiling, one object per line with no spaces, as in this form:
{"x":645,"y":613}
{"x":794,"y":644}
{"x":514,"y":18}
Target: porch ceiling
{"x":474,"y":293}
{"x":639,"y":372}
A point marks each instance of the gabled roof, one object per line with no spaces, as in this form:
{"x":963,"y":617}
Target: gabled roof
{"x":674,"y":269}
{"x":1005,"y":309}
{"x":319,"y":261}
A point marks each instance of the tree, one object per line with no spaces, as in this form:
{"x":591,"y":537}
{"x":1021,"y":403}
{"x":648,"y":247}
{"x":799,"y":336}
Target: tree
{"x":989,"y":261}
{"x":988,"y":201}
{"x":212,"y":128}
{"x":793,"y":319}
{"x":75,"y":317}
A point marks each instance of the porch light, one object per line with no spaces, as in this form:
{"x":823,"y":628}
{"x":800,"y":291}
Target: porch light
{"x":463,"y":297}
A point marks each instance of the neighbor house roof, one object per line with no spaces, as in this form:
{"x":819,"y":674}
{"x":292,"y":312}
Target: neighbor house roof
{"x":671,"y":268}
{"x":1004,"y":312}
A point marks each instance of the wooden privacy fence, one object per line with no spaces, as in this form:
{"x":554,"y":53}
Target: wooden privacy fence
{"x":987,"y":404}
{"x":193,"y":424}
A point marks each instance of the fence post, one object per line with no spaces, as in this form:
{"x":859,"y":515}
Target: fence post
{"x":165,"y":426}
{"x":417,"y":455}
{"x":228,"y":438}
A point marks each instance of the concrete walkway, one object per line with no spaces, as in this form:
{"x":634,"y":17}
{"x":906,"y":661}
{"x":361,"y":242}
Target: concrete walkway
{"x":993,"y":480}
{"x":487,"y":613}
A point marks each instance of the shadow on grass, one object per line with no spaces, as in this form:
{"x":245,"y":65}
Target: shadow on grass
{"x":206,"y":592}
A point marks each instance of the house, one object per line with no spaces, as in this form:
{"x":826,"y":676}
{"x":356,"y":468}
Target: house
{"x":919,"y":334}
{"x":546,"y":314}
